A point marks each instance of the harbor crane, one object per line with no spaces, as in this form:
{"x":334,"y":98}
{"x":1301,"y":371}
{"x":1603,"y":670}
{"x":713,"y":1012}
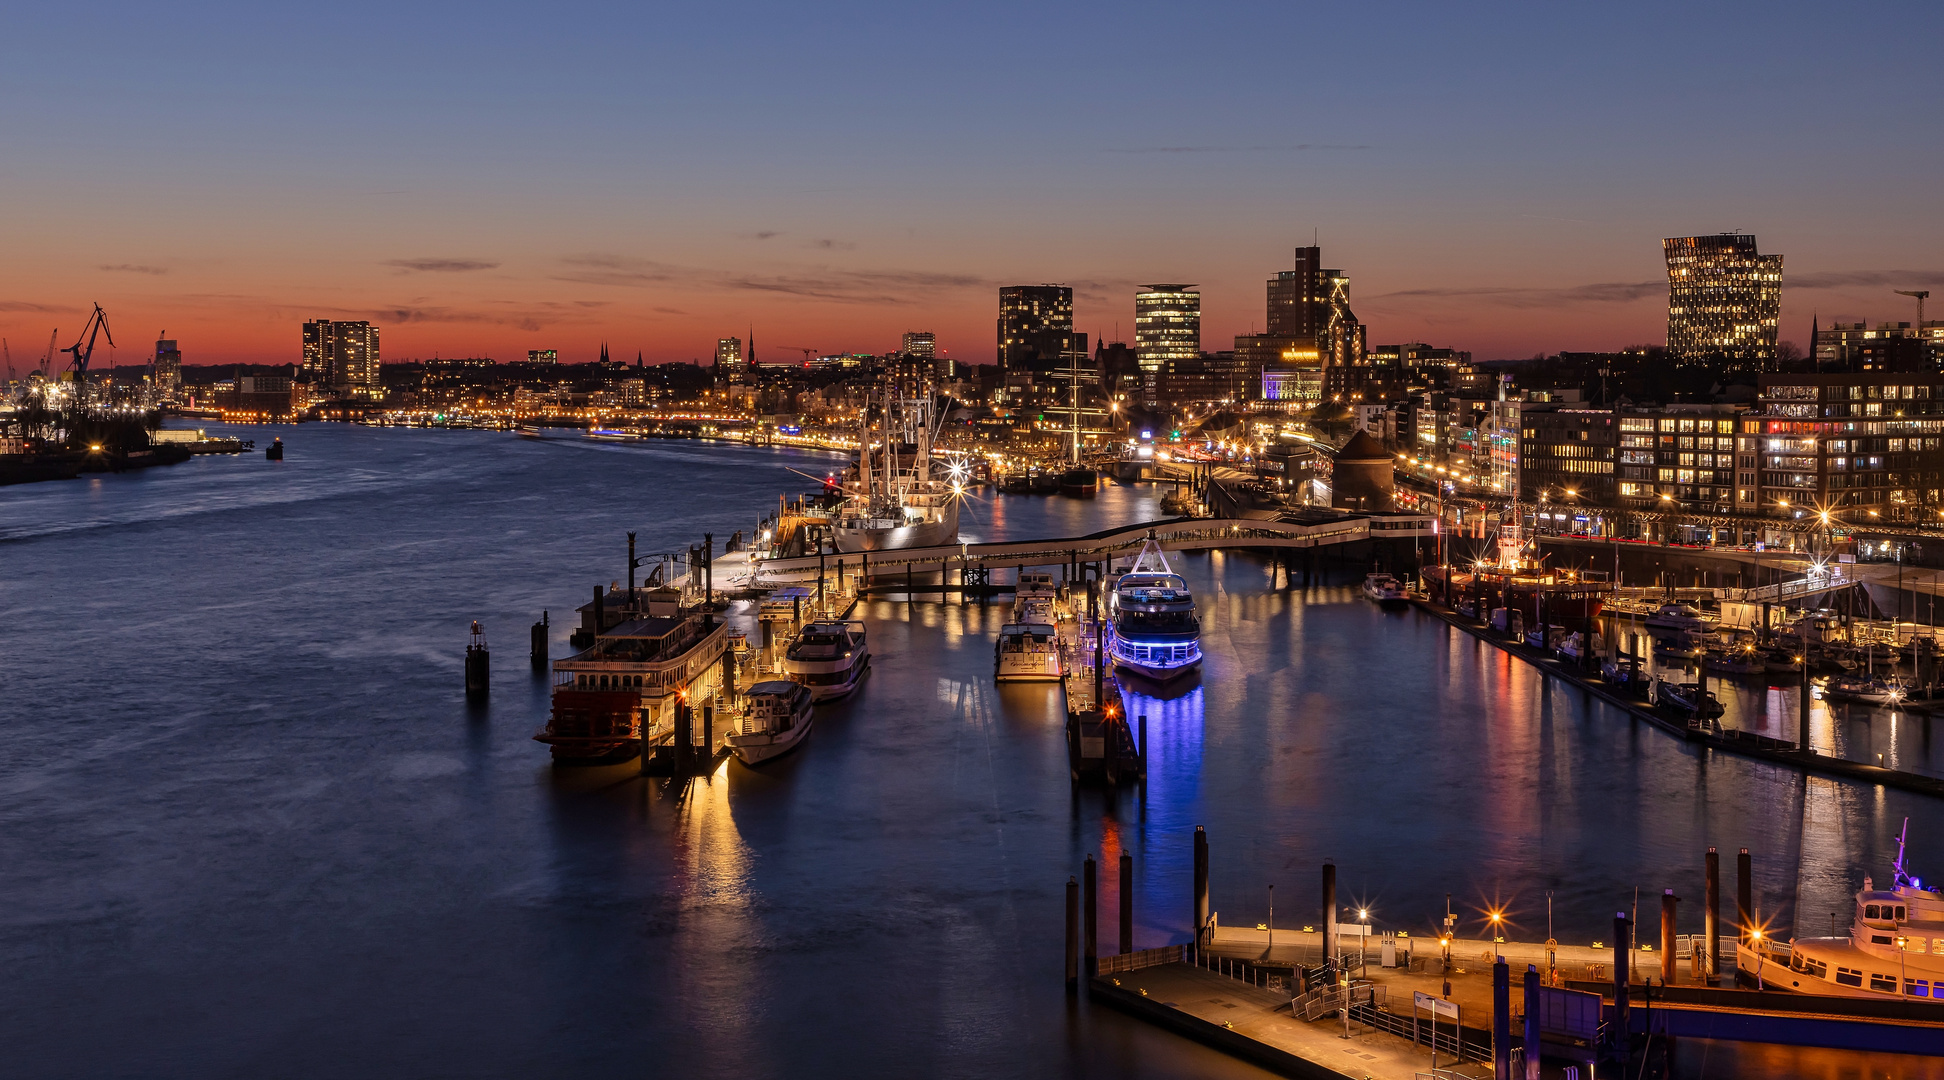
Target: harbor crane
{"x":47,"y":358}
{"x":807,"y":353}
{"x":1921,"y":295}
{"x":97,"y":324}
{"x":8,"y":353}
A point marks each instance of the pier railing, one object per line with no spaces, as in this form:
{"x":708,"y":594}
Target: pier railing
{"x":1145,"y":958}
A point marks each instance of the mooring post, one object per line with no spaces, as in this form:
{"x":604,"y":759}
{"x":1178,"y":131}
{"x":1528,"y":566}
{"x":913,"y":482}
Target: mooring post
{"x":539,"y":643}
{"x":632,"y":564}
{"x":1802,"y":707}
{"x":1501,"y":1018}
{"x":1144,"y":746}
{"x":684,"y":738}
{"x":479,"y":665}
{"x":708,"y":737}
{"x":1090,"y":918}
{"x":1712,"y":916}
{"x":1622,"y":953}
{"x":1532,"y":1013}
{"x":1668,"y":900}
{"x":1199,"y":898}
{"x":1126,"y":903}
{"x":1072,"y":935}
{"x":1329,"y":920}
{"x":1744,"y":901}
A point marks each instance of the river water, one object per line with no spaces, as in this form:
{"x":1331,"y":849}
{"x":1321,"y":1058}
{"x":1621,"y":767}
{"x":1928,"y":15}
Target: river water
{"x":250,"y":827}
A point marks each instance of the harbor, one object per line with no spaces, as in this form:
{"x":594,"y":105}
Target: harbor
{"x":915,"y":845}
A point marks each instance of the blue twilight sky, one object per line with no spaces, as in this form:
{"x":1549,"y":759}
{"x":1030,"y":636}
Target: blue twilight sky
{"x":487,"y":178}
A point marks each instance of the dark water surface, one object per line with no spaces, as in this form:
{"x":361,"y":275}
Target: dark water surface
{"x":249,"y":827}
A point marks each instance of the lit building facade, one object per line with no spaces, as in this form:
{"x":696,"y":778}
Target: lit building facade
{"x":1167,"y":330}
{"x":344,"y":355}
{"x":1035,"y":326}
{"x":1724,"y":298}
{"x":168,"y":370}
{"x":543,"y":356}
{"x":924,"y":344}
{"x":1865,"y":446}
{"x":1313,"y":339}
{"x":1681,"y":458}
{"x":1885,"y":347}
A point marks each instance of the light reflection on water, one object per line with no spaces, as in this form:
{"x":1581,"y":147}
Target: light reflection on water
{"x":251,"y":826}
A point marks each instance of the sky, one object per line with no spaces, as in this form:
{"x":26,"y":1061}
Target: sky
{"x":481,"y":179}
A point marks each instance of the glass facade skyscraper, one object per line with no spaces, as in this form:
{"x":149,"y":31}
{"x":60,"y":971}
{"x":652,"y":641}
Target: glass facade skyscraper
{"x":1167,"y":330}
{"x":1724,"y":298}
{"x":1035,"y":326}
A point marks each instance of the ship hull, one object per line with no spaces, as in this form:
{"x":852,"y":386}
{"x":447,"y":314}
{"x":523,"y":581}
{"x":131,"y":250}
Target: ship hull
{"x":936,"y":533}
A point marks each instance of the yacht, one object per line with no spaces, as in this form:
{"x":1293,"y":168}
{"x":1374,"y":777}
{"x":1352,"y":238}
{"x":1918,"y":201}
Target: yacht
{"x":1676,"y":617}
{"x":1151,"y":613}
{"x":1386,"y":590}
{"x":830,"y":657}
{"x":1895,"y":946}
{"x":1868,"y":689}
{"x":776,"y":719}
{"x":622,"y":692}
{"x":1698,"y":701}
{"x":1027,"y":652}
{"x":1036,"y":599}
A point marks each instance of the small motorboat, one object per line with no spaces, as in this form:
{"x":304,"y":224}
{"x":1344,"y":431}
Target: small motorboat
{"x":830,"y":657}
{"x":1735,"y":660}
{"x":1702,"y":704}
{"x":1781,"y":662}
{"x":1865,"y":689}
{"x":1684,"y":617}
{"x":1571,"y":647}
{"x":1385,"y":590}
{"x":1623,"y":672}
{"x":776,"y":719}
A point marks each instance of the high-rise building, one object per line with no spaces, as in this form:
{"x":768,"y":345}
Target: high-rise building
{"x":1035,"y":326}
{"x":1724,"y":298}
{"x":1888,"y":347}
{"x":168,"y":370}
{"x":1314,"y":342}
{"x":1167,"y":330}
{"x":342,"y":354}
{"x":543,"y":356}
{"x":731,"y":364}
{"x":924,"y":344}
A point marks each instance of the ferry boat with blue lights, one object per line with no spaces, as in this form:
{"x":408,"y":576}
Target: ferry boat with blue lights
{"x":1154,"y":631}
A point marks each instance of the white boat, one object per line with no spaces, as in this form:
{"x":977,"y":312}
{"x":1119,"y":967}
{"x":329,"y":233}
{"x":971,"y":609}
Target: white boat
{"x":1036,"y":599}
{"x":1155,"y":631}
{"x":1386,"y":590}
{"x":1895,"y":947}
{"x":776,"y":719}
{"x":1690,"y":697}
{"x":1027,"y":652}
{"x":1867,"y":689}
{"x":1676,"y":617}
{"x":829,"y":656}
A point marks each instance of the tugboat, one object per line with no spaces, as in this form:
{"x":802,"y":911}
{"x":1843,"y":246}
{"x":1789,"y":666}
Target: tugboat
{"x":273,"y":452}
{"x":829,"y":657}
{"x":1155,"y":631}
{"x":1386,"y":590}
{"x":776,"y":719}
{"x":1895,"y":947}
{"x":625,"y":690}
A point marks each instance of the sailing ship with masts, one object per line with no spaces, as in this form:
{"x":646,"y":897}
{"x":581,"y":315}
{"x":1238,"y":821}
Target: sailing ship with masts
{"x":905,"y":495}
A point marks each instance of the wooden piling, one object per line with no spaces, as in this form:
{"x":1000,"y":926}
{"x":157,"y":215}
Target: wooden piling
{"x":1329,"y":920}
{"x":1711,"y":915}
{"x":1622,"y":954}
{"x":1533,"y":1011}
{"x":1126,"y":903}
{"x":1072,"y":935}
{"x":1744,"y":900}
{"x":1090,"y":919}
{"x":1199,"y":897}
{"x":1501,"y":1019}
{"x":1668,"y":902}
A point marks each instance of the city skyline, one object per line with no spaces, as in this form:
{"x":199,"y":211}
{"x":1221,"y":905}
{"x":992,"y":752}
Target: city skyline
{"x":657,"y":208}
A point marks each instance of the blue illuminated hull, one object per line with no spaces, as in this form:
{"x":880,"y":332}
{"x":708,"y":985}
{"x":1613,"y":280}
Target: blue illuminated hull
{"x":1160,"y":661}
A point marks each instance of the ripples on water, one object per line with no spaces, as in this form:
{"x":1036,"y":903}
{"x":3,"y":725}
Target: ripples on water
{"x":250,"y":827}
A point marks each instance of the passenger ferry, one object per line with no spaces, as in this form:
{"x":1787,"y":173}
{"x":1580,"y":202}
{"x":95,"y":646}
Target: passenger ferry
{"x":621,"y":692}
{"x":1151,"y":613}
{"x":1895,"y":946}
{"x":830,"y":657}
{"x":1027,"y":652}
{"x":776,"y":719}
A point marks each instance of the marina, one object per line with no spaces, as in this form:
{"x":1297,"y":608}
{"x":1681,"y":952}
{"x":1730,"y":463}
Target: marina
{"x":1281,"y":725}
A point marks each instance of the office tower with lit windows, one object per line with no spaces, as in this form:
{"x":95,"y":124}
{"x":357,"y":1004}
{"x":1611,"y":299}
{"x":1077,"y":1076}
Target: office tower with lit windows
{"x":1035,"y":327}
{"x":543,"y":356}
{"x":924,"y":344}
{"x":167,"y":374}
{"x":344,"y":355}
{"x":1314,"y":343}
{"x":730,"y":363}
{"x":1167,"y":331}
{"x":1724,"y":298}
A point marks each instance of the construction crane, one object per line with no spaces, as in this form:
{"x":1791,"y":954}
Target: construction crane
{"x":1921,"y":295}
{"x":97,"y":323}
{"x":807,"y":353}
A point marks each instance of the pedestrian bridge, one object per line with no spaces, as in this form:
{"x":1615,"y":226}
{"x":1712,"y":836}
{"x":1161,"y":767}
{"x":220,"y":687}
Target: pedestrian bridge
{"x":1294,"y":529}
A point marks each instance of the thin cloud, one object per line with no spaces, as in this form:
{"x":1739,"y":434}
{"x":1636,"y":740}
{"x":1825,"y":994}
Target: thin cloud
{"x":599,"y":269}
{"x":768,"y":234}
{"x":833,"y":245}
{"x":1611,"y":292}
{"x":22,"y":305}
{"x":1841,"y":279}
{"x":1294,"y":147}
{"x":442,"y":266}
{"x":132,"y":268}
